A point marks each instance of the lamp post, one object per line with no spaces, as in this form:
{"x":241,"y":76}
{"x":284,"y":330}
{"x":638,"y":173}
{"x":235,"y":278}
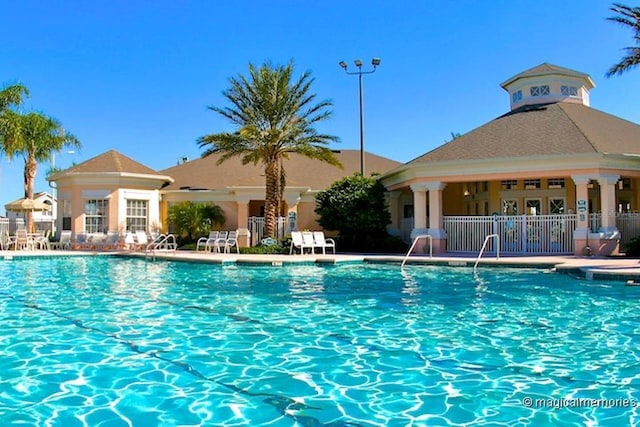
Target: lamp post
{"x":358,"y":63}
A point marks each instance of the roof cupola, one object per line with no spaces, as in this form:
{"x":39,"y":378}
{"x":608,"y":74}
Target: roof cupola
{"x":548,"y":83}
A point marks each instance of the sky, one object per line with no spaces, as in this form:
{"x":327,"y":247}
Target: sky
{"x":137,"y":76}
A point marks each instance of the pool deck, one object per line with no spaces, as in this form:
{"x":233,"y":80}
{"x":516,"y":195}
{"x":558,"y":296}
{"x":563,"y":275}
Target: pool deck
{"x":592,"y":268}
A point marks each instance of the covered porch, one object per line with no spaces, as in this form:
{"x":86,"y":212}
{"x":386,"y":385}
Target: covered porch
{"x":583,"y":213}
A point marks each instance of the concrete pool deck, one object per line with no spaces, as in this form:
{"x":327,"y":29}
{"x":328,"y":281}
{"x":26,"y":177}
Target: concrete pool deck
{"x":592,"y":268}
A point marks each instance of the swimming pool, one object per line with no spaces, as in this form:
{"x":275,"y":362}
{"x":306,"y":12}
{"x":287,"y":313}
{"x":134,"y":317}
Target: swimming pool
{"x":99,"y":341}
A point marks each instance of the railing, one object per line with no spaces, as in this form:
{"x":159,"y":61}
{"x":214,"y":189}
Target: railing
{"x":484,"y":245}
{"x":256,"y":227}
{"x":163,"y":242}
{"x":413,"y":245}
{"x":531,"y":234}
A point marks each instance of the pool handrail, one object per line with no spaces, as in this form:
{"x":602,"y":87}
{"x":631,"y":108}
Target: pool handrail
{"x":415,"y":241}
{"x":484,"y":245}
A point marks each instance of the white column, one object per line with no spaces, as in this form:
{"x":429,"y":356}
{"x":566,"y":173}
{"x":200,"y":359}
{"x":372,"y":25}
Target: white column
{"x":436,"y":225}
{"x":392,"y":198}
{"x":608,"y":201}
{"x":582,"y":204}
{"x":419,"y":210}
{"x":292,"y":200}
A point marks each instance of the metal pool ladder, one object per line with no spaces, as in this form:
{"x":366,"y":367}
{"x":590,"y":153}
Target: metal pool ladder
{"x":413,"y":245}
{"x":484,"y":245}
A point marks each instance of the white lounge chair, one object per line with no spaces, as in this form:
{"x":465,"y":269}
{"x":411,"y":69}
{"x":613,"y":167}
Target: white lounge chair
{"x":141,"y":240}
{"x":298,"y":242}
{"x":64,"y":242}
{"x":231,"y":242}
{"x":319,"y":241}
{"x":220,"y":242}
{"x":207,"y":243}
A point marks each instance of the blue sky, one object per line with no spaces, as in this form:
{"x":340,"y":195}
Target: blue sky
{"x":137,"y":76}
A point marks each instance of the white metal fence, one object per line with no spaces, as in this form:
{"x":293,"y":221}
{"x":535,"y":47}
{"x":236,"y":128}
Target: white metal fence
{"x":256,"y":227}
{"x":627,"y":223}
{"x":531,"y":234}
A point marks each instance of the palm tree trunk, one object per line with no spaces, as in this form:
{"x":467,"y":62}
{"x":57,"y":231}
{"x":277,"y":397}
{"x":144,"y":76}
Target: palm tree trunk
{"x":271,"y":198}
{"x":29,"y":179}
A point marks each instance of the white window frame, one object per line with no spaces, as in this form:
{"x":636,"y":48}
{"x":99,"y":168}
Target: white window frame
{"x":533,"y":199}
{"x":510,"y":206}
{"x":134,"y":218}
{"x":98,"y":221}
{"x":550,"y":205}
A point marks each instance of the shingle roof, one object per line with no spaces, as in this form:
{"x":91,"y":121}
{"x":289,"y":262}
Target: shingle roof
{"x":204,"y":173}
{"x":542,"y":130}
{"x":111,"y":161}
{"x":546,"y":69}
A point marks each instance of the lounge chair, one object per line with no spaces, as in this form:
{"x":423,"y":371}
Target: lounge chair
{"x":307,"y":238}
{"x":141,"y":240}
{"x":298,"y":242}
{"x":231,"y":242}
{"x":129,"y":241}
{"x":319,"y":241}
{"x":207,"y":243}
{"x":65,"y":241}
{"x":220,"y":242}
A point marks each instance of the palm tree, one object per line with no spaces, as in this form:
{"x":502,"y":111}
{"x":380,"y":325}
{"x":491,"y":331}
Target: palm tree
{"x":192,"y":220}
{"x":35,"y":137}
{"x":630,"y":17}
{"x":12,"y":95}
{"x":274,"y":116}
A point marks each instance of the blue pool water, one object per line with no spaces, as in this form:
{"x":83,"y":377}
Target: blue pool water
{"x":123,"y":342}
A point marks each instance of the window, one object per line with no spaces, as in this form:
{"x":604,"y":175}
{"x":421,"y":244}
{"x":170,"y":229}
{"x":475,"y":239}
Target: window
{"x":555,"y":183}
{"x":624,"y":184}
{"x":407,"y":211}
{"x":66,"y":214}
{"x":539,"y":90}
{"x":509,"y":184}
{"x":517,"y":96}
{"x":533,"y":206}
{"x":510,"y":207}
{"x":96,"y":216}
{"x":556,"y":206}
{"x":531,"y":184}
{"x":568,"y":90}
{"x":137,"y":215}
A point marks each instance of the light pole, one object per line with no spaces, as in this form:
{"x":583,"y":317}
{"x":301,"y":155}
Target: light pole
{"x":374,"y":62}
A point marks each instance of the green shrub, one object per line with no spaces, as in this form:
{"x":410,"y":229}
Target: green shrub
{"x":632,"y":248}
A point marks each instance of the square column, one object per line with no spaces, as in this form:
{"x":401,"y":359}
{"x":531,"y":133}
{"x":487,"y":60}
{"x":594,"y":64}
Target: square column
{"x":244,"y":235}
{"x":419,"y":210}
{"x":608,"y":201}
{"x":436,"y":223}
{"x":581,"y":234}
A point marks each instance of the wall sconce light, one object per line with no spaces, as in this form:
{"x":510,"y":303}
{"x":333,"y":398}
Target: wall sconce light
{"x":620,"y":185}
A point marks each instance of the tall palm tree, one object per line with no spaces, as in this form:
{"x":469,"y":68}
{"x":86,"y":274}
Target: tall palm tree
{"x":629,"y":17}
{"x":274,"y":115}
{"x":35,"y":137}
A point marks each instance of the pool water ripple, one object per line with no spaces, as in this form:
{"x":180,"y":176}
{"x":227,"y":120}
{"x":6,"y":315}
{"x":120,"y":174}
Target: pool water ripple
{"x":97,"y":341}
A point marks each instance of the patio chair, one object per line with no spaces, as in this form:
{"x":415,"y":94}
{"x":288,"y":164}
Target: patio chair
{"x":231,"y":242}
{"x":319,"y":241}
{"x":298,"y":242}
{"x":207,"y":243}
{"x":307,"y":238}
{"x":64,"y":243}
{"x":141,"y":240}
{"x":129,"y":241}
{"x":22,"y":241}
{"x":220,"y":242}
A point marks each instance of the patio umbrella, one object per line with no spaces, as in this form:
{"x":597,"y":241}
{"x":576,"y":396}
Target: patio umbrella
{"x":26,"y":204}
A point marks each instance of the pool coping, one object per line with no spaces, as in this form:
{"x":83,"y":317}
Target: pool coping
{"x":590,"y":268}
